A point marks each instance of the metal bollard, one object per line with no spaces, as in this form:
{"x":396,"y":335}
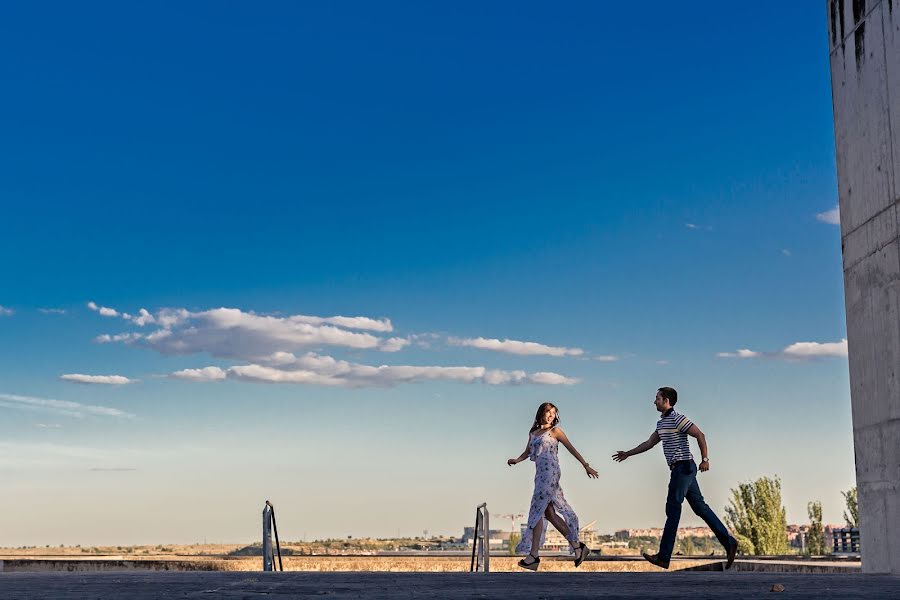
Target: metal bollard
{"x":269,"y":526}
{"x":481,"y":543}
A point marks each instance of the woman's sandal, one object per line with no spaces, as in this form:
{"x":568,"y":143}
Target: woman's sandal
{"x":531,"y":566}
{"x":584,"y":552}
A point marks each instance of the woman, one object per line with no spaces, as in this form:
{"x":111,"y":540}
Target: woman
{"x":548,"y":500}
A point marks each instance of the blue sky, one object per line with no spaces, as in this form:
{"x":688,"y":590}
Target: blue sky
{"x":637,"y":194}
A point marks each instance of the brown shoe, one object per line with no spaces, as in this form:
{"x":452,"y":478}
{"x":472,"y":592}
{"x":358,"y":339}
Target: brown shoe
{"x":730,"y":552}
{"x":656,"y":560}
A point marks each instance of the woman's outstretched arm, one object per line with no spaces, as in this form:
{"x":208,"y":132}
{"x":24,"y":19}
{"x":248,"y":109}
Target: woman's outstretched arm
{"x":523,"y":456}
{"x":561,"y":436}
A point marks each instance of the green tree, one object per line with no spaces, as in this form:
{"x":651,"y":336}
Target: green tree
{"x":851,"y":515}
{"x":757,"y":517}
{"x":514,"y":539}
{"x":815,"y":538}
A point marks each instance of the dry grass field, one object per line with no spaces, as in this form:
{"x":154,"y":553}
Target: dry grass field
{"x":220,"y":557}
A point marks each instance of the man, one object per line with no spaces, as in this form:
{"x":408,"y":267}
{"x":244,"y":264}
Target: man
{"x":673,"y":430}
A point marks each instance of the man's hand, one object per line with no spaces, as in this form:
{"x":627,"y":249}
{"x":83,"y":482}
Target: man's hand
{"x":704,"y":465}
{"x":620,"y":456}
{"x":591,"y":472}
{"x":512,"y":461}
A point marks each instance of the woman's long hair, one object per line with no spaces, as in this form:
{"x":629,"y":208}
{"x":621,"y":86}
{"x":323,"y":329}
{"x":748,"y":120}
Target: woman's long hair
{"x":543,"y":408}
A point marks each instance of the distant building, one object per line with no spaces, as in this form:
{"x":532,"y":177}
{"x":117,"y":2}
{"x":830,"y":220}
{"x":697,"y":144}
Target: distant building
{"x":498,"y":537}
{"x":555,"y":542}
{"x":656,"y":532}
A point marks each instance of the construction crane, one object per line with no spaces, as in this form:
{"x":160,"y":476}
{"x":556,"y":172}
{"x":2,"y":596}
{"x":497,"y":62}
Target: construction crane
{"x":512,"y":520}
{"x":588,"y":526}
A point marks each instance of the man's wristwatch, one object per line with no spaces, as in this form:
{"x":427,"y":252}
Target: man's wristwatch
{"x":705,"y":459}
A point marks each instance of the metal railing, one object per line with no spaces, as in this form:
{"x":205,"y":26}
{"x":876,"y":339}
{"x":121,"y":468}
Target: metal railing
{"x":481,"y":542}
{"x":269,"y":526}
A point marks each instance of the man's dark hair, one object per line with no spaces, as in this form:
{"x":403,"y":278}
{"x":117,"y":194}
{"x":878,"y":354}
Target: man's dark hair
{"x":669,"y":394}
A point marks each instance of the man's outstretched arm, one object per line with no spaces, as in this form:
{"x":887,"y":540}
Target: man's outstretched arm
{"x":651,"y":441}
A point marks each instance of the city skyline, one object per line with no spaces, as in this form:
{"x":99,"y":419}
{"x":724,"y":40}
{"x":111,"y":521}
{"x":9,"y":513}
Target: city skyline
{"x":336,"y":258}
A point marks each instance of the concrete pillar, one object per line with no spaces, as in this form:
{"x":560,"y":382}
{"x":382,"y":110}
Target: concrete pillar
{"x":864,"y":42}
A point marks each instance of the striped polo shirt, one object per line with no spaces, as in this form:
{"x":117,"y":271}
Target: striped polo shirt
{"x":672,"y":429}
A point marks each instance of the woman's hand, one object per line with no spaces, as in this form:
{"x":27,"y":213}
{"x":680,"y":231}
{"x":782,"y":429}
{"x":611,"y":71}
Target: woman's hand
{"x":591,"y":472}
{"x":512,"y":461}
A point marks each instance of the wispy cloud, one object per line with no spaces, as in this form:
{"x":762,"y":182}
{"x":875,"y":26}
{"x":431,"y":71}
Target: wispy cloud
{"x":832,"y":217}
{"x":119,"y":337}
{"x":6,"y":312}
{"x":696,"y":227}
{"x":22,"y":455}
{"x":48,"y":425}
{"x":112,"y":469}
{"x":316,"y":369}
{"x":798,"y":351}
{"x":663,"y":362}
{"x":786,"y":252}
{"x":168,"y":318}
{"x":60,"y":407}
{"x":742,"y":353}
{"x":606,"y":358}
{"x":515,"y":347}
{"x":97,"y":379}
{"x":52,"y":311}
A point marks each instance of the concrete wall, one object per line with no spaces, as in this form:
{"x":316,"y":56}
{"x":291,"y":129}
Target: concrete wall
{"x":864,"y":42}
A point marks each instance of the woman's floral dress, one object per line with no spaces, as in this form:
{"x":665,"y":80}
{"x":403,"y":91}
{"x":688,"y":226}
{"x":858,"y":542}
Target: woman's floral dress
{"x":544,"y":453}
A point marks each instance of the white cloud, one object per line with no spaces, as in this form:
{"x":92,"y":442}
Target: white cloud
{"x":59,"y":407}
{"x":204,"y":374}
{"x":233,"y":333}
{"x":515,"y":347}
{"x":548,"y":378}
{"x":104,"y":311}
{"x":832,"y":217}
{"x":606,"y":358}
{"x":144,"y":318}
{"x":97,"y":379}
{"x":52,"y":311}
{"x":393,"y":344}
{"x":816,"y":349}
{"x":662,"y":362}
{"x":6,"y":312}
{"x":48,"y":425}
{"x":795,"y":351}
{"x":692,"y":226}
{"x":315,"y":369}
{"x":786,"y":252}
{"x":381,"y":325}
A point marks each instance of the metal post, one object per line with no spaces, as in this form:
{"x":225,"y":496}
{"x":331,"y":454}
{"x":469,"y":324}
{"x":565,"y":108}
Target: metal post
{"x":275,"y":529}
{"x":481,"y":543}
{"x":487,"y":539}
{"x":268,"y":558}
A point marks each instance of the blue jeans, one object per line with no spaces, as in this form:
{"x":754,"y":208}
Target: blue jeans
{"x":683,"y":484}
